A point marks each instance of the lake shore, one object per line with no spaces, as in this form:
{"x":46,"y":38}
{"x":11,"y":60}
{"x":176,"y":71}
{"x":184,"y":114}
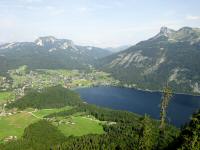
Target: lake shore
{"x":135,"y":88}
{"x":141,"y":102}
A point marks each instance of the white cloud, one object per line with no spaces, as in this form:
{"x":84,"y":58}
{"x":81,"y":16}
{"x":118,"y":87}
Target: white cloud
{"x":31,"y":1}
{"x":192,"y":17}
{"x":118,"y":3}
{"x":83,"y":9}
{"x":54,"y":11}
{"x":7,"y":23}
{"x":169,"y":13}
{"x":57,"y":12}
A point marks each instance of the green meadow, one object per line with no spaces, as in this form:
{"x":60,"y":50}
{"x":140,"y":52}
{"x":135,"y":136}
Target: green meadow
{"x":80,"y":125}
{"x":76,"y":125}
{"x":4,"y":96}
{"x":44,"y":112}
{"x":14,"y":125}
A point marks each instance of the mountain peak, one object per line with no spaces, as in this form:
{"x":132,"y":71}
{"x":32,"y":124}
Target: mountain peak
{"x":165,"y":31}
{"x":45,"y":40}
{"x":185,"y":28}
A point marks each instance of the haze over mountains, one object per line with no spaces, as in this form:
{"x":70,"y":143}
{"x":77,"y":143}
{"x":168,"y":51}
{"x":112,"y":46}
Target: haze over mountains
{"x":118,"y":49}
{"x":169,"y":57}
{"x":48,"y":53}
{"x":41,"y":105}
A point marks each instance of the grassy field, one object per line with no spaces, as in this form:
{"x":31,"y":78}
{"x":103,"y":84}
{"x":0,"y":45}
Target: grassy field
{"x":4,"y":96}
{"x":76,"y":125}
{"x":82,"y":82}
{"x":44,"y":112}
{"x":14,"y":125}
{"x":80,"y":125}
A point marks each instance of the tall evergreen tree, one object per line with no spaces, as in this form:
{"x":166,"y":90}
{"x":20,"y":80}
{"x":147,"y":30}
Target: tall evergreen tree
{"x":189,"y":138}
{"x":166,"y":96}
{"x":145,"y":135}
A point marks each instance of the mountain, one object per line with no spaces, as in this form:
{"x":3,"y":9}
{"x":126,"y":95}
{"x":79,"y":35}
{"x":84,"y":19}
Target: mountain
{"x":48,"y":53}
{"x":118,"y":49}
{"x":169,"y":57}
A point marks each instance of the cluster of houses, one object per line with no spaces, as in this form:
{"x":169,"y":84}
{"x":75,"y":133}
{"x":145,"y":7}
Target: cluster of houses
{"x":3,"y":112}
{"x":44,"y":78}
{"x":59,"y":122}
{"x":4,"y":83}
{"x":10,"y":138}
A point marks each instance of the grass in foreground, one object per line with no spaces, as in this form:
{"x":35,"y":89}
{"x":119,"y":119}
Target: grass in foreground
{"x":4,"y":96}
{"x":76,"y":125}
{"x":80,"y":125}
{"x":44,"y":112}
{"x":14,"y":125}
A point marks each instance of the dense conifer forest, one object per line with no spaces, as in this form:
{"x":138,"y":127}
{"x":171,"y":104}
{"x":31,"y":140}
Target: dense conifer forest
{"x":123,"y":130}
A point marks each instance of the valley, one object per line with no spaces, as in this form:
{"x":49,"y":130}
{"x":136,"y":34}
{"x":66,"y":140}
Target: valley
{"x":142,"y":102}
{"x":68,"y":116}
{"x":99,"y":75}
{"x":16,"y":120}
{"x":22,"y":79}
{"x":171,"y":56}
{"x":13,"y":124}
{"x":87,"y":97}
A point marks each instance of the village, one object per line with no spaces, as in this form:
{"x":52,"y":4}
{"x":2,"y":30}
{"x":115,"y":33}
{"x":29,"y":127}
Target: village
{"x":19,"y":81}
{"x":22,"y":80}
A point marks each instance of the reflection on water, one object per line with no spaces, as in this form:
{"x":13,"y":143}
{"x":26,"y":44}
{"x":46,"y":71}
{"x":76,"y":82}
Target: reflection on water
{"x":180,"y":108}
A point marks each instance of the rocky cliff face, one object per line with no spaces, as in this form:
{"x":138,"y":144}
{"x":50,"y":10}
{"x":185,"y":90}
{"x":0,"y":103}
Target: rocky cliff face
{"x":168,"y":57}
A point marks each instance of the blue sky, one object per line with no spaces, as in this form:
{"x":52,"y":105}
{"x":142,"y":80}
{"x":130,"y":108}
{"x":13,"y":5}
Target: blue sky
{"x":94,"y":22}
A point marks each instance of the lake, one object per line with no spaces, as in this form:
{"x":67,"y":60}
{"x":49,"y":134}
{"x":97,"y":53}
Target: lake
{"x":180,"y":109}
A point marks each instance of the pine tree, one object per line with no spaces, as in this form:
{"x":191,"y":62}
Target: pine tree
{"x":189,"y":138}
{"x":166,"y":96}
{"x":145,"y":134}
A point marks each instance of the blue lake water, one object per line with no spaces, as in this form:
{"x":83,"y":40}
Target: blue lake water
{"x":180,"y":109}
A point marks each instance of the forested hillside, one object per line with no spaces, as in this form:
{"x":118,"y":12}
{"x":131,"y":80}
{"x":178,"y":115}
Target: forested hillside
{"x":121,"y":129}
{"x":169,"y":57}
{"x":53,"y":97}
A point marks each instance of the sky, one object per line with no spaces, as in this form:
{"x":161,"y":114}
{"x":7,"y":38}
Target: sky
{"x":103,"y":23}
